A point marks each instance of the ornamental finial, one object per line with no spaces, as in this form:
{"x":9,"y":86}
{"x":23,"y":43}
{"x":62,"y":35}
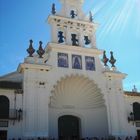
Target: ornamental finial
{"x":31,"y":50}
{"x":40,"y":51}
{"x":112,"y":59}
{"x":134,"y":89}
{"x":53,"y":9}
{"x":105,"y":59}
{"x":90,"y":16}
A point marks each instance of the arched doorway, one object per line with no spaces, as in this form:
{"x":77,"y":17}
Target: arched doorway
{"x":68,"y":127}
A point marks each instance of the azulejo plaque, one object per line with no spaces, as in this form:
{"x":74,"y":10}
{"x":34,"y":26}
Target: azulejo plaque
{"x":90,"y":63}
{"x":63,"y":60}
{"x":76,"y":61}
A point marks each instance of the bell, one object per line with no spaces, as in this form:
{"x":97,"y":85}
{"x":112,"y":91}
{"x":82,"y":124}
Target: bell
{"x":87,"y":41}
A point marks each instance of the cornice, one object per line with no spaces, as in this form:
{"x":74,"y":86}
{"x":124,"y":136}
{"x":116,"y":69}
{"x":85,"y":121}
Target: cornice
{"x":40,"y":67}
{"x":131,"y":94}
{"x":68,"y":21}
{"x":114,"y":73}
{"x":80,"y":1}
{"x":76,"y":49}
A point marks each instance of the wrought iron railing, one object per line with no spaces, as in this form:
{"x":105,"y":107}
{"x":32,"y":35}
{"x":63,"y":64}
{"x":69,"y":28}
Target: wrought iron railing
{"x":13,"y":114}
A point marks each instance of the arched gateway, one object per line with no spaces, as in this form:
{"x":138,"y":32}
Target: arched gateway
{"x":68,"y":127}
{"x":77,"y":109}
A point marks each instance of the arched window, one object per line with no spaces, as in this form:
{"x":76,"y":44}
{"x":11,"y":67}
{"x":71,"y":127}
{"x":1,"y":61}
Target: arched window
{"x":4,"y":107}
{"x":136,"y":111}
{"x":61,"y":36}
{"x":75,"y":39}
{"x":74,"y":13}
{"x":87,"y":41}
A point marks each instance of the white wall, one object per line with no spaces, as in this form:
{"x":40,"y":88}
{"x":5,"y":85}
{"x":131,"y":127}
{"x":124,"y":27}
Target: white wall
{"x":14,"y":127}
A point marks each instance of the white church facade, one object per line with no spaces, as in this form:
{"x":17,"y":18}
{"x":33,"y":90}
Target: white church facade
{"x":66,"y":91}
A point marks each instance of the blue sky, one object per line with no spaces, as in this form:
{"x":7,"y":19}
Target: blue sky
{"x":118,"y":31}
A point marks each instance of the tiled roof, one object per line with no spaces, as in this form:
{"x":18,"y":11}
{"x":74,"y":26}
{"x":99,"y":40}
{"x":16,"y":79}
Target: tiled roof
{"x":131,"y":93}
{"x":10,"y":85}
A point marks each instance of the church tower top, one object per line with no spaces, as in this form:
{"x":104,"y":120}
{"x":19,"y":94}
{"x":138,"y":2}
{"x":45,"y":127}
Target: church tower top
{"x":72,"y":1}
{"x":71,"y":26}
{"x":72,"y":7}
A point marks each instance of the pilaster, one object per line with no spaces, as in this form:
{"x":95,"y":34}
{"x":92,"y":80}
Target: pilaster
{"x":116,"y":108}
{"x":35,"y":99}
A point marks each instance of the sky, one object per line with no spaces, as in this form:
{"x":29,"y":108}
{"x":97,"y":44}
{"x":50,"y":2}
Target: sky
{"x":118,"y":31}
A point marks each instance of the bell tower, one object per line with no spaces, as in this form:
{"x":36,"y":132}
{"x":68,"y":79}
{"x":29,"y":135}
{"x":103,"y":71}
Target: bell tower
{"x":71,"y":26}
{"x":73,"y":51}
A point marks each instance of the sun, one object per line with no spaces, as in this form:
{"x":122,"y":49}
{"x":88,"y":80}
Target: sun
{"x":117,"y":16}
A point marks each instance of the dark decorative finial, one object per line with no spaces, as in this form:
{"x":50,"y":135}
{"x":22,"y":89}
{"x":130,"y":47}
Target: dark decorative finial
{"x":105,"y":59}
{"x":134,"y":89}
{"x":112,"y":59}
{"x":31,"y":50}
{"x":40,"y":51}
{"x":90,"y":17}
{"x":53,"y":9}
